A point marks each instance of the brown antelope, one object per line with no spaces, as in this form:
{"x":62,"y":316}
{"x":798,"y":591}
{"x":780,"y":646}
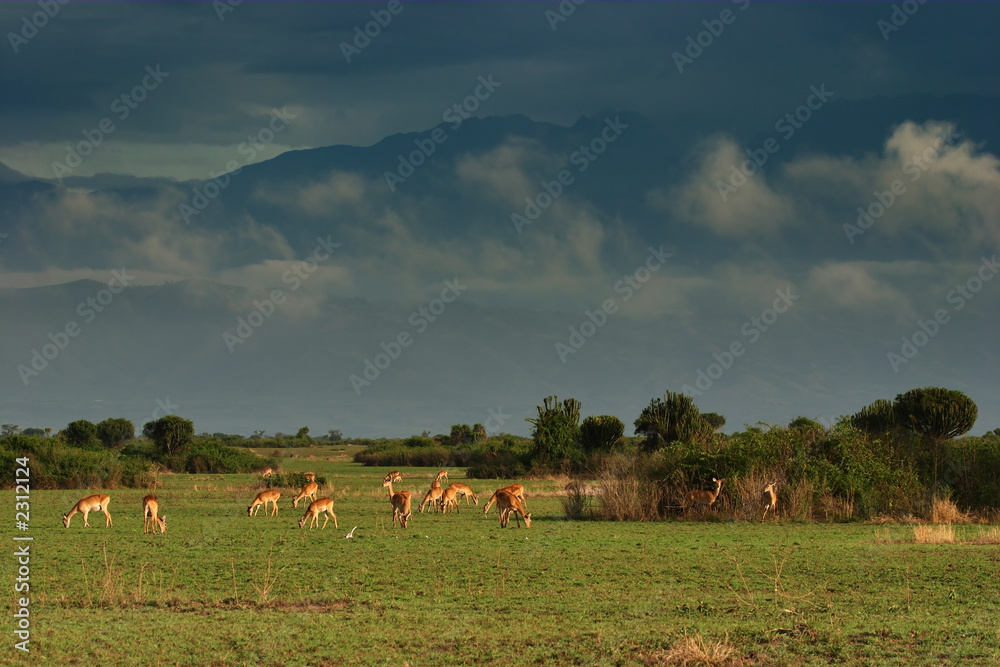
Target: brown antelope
{"x":769,"y":499}
{"x":436,"y":484}
{"x":465,"y":491}
{"x":434,"y":495}
{"x":308,"y":491}
{"x":310,"y":476}
{"x":513,"y":489}
{"x":400,"y":500}
{"x":449,"y":499}
{"x":507,"y":504}
{"x":263,"y":498}
{"x":151,"y":517}
{"x":317,"y":507}
{"x":95,"y":503}
{"x":267,"y":472}
{"x":700,"y":497}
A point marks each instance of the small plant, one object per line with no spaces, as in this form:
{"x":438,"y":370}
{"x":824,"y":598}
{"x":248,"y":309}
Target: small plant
{"x":576,"y":503}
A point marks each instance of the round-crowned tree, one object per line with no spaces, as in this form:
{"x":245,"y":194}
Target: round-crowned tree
{"x":937,"y":414}
{"x":114,"y":432}
{"x":171,"y":434}
{"x":673,"y":418}
{"x":81,"y":433}
{"x":601,"y":433}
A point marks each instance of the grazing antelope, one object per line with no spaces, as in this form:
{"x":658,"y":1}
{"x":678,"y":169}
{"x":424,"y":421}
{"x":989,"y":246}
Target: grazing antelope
{"x":317,"y":507}
{"x":95,"y":503}
{"x":507,"y":504}
{"x":400,"y":500}
{"x":151,"y":517}
{"x":434,"y":495}
{"x":513,"y":489}
{"x":699,"y":497}
{"x":464,"y":490}
{"x":263,"y":498}
{"x":769,"y":499}
{"x":449,"y":499}
{"x":267,"y":472}
{"x":308,"y":491}
{"x":436,"y":484}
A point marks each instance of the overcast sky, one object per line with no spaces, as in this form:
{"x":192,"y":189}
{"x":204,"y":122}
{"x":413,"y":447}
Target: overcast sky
{"x":226,"y":69}
{"x":186,"y":91}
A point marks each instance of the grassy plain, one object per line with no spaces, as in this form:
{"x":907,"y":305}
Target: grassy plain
{"x":221,"y":588}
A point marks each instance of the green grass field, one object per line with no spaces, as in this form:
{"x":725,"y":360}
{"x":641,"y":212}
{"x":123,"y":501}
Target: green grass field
{"x":221,"y":588}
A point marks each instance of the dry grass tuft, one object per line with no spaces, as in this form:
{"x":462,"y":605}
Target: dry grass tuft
{"x":696,"y":651}
{"x":987,"y":536}
{"x":943,"y":534}
{"x":944,"y":510}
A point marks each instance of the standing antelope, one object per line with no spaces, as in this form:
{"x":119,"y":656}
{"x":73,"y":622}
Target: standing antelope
{"x":465,"y":491}
{"x":151,"y":517}
{"x":263,"y":498}
{"x":400,"y":500}
{"x":267,"y":472}
{"x":513,"y":489}
{"x":769,"y":499}
{"x":449,"y":499}
{"x":699,"y":497}
{"x":317,"y":507}
{"x":308,"y":491}
{"x":95,"y":503}
{"x":436,"y":484}
{"x":508,"y":503}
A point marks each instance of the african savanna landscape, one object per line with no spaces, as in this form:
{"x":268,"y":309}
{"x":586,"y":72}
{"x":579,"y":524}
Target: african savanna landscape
{"x":569,"y":332}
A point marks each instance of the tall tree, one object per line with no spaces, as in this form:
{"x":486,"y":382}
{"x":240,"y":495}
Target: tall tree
{"x":81,"y":433}
{"x":670,"y":419}
{"x":114,"y":432}
{"x":556,"y":430}
{"x":601,"y":433}
{"x":876,"y":419}
{"x":171,"y":434}
{"x":937,"y":414}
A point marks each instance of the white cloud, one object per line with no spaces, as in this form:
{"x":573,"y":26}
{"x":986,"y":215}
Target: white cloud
{"x":754,"y":209}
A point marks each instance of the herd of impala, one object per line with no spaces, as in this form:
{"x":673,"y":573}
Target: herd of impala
{"x":509,"y":500}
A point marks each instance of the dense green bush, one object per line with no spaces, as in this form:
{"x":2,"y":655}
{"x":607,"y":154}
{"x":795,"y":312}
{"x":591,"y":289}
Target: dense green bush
{"x":207,"y":456}
{"x":55,"y":465}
